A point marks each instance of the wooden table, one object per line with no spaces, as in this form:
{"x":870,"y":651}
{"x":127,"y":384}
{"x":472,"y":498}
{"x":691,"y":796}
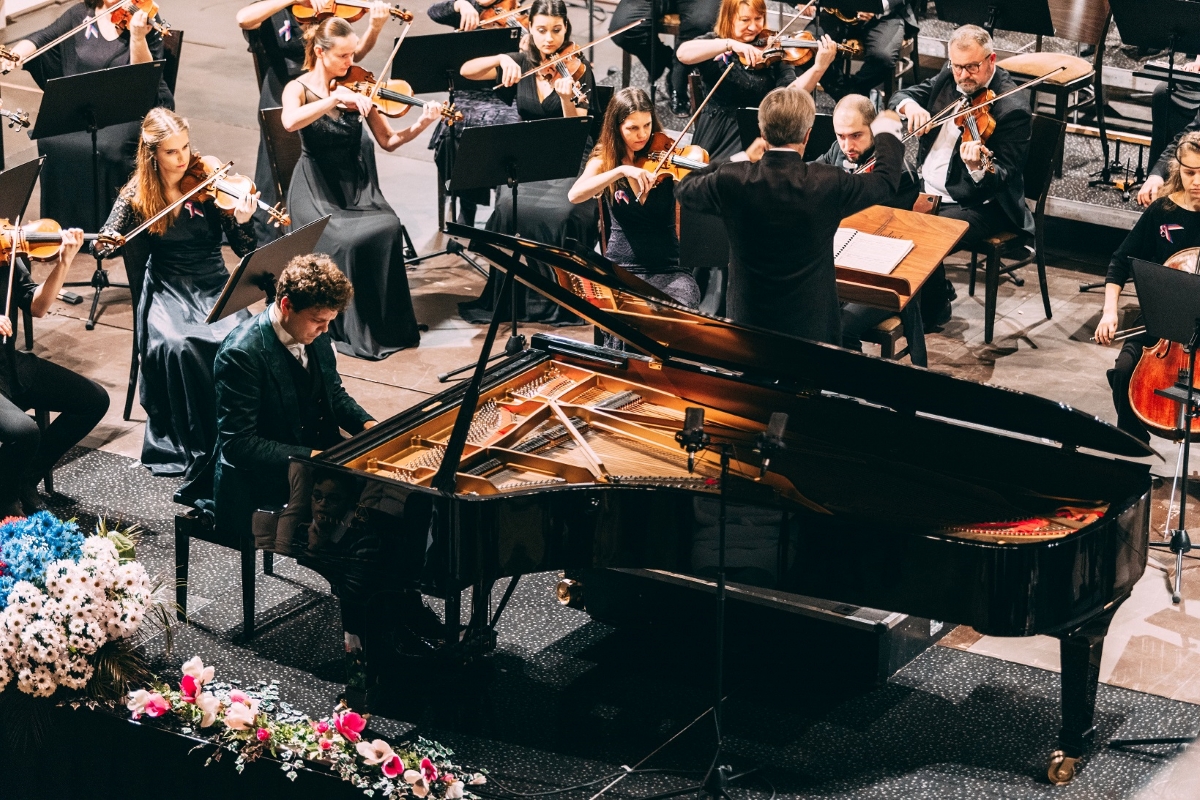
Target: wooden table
{"x":933,"y":239}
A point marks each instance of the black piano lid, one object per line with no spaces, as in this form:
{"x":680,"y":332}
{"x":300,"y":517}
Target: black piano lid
{"x":689,"y":339}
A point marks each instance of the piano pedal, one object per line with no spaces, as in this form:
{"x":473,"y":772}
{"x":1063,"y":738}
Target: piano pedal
{"x":1061,"y":769}
{"x":569,"y":593}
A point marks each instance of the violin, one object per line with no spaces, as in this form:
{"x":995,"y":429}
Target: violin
{"x":978,"y":124}
{"x":504,"y":14}
{"x":38,"y":240}
{"x":795,"y":50}
{"x":663,"y":160}
{"x":568,"y":63}
{"x":123,"y":15}
{"x":227,"y":190}
{"x":1161,"y":367}
{"x":349,"y":10}
{"x":393,"y":98}
{"x":17,"y":120}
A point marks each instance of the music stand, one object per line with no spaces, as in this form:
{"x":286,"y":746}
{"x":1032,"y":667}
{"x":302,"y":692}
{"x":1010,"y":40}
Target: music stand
{"x":16,"y":187}
{"x":254,"y":278}
{"x":1021,"y":16}
{"x":1171,"y":25}
{"x":430,"y":64}
{"x":521,"y":152}
{"x":88,"y":102}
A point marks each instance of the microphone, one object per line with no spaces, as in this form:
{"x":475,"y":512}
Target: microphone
{"x":771,"y":440}
{"x":692,"y":438}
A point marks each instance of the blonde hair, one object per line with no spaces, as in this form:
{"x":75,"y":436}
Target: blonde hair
{"x":729,"y":12}
{"x":146,"y":187}
{"x":1191,"y":142}
{"x":323,"y":35}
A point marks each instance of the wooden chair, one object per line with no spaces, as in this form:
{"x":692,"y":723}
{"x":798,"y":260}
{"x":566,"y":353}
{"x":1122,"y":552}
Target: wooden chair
{"x":283,"y":148}
{"x":136,"y":255}
{"x":172,"y":46}
{"x":1082,"y":22}
{"x":1044,"y":143}
{"x":668,"y":24}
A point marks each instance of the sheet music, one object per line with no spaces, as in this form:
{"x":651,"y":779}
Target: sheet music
{"x":854,"y":249}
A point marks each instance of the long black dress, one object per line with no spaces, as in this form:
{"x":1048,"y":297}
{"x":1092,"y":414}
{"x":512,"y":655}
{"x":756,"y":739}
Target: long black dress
{"x":336,"y":175}
{"x":716,"y":129}
{"x":545,"y":214}
{"x":278,"y":44}
{"x":67,"y":189}
{"x":184,"y":278}
{"x":642,"y":239}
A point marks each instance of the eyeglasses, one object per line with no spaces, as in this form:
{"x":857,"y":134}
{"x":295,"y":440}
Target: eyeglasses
{"x":970,"y":69}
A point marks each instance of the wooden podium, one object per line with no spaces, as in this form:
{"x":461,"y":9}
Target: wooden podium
{"x":933,"y":239}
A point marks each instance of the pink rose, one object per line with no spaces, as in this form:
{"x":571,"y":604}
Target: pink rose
{"x":393,"y":766}
{"x":322,"y":727}
{"x":428,"y":770}
{"x":326,"y":744}
{"x":349,"y":725}
{"x":189,"y":689}
{"x":263,"y":734}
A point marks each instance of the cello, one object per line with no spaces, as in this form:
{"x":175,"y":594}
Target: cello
{"x":1161,"y":367}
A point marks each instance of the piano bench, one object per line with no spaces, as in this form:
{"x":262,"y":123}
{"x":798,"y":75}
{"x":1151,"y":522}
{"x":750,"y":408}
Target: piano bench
{"x":200,"y":525}
{"x":887,"y":335}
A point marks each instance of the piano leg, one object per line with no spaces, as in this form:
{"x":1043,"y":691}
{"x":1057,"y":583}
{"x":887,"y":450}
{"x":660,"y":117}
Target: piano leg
{"x":1080,"y":653}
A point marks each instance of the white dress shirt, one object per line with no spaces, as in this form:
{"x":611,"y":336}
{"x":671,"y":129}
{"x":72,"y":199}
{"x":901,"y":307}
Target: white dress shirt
{"x":937,"y":162}
{"x":286,"y":339}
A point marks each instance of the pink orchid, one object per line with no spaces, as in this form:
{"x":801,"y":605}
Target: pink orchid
{"x":238,"y":696}
{"x":375,"y":752}
{"x":189,"y":688}
{"x":240,"y":715}
{"x":392,"y":767}
{"x":349,"y":725}
{"x":263,"y":734}
{"x":428,"y":770}
{"x":210,"y":708}
{"x":326,"y":744}
{"x":321,"y":727}
{"x":151,"y":704}
{"x":416,"y":781}
{"x":194,"y":668}
{"x":455,"y":791}
{"x":478,"y":780}
{"x":157,"y":705}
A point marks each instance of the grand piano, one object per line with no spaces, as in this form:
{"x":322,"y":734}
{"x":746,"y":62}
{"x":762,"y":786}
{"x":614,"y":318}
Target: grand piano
{"x":953,"y":500}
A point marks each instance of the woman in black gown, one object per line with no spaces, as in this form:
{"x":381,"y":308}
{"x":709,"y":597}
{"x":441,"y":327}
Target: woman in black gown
{"x":475,"y":100}
{"x":640,"y":214}
{"x":336,"y":175}
{"x":184,"y":278}
{"x":545,"y":213}
{"x":276,"y":37}
{"x":739,"y":25}
{"x":68,"y":194}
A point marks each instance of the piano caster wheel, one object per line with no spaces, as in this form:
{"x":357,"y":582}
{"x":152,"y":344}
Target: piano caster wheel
{"x":569,"y":593}
{"x":1061,"y":770}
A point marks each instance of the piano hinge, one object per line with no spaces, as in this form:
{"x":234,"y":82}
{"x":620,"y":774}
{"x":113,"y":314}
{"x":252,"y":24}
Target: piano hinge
{"x":655,"y":364}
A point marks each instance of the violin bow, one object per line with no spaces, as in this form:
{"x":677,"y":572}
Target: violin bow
{"x":20,"y":62}
{"x":799,"y":14}
{"x":954,"y":109}
{"x":515,"y":12}
{"x":695,"y":115}
{"x":12,"y":274}
{"x":554,"y":61}
{"x":217,"y":175}
{"x":387,"y":65}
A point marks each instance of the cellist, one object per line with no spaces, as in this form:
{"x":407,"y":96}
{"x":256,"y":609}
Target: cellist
{"x":1170,"y":224}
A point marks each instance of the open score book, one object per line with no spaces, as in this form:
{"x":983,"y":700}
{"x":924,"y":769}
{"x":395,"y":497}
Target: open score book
{"x":854,"y":249}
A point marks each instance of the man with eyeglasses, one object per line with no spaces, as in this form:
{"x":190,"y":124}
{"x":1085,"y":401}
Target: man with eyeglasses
{"x":989,"y":201}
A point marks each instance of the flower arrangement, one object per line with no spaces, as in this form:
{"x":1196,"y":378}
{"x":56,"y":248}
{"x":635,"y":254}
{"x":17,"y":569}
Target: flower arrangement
{"x":253,"y":723}
{"x":69,"y":604}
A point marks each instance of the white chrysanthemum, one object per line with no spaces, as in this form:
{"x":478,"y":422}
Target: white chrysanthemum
{"x":25,"y":680}
{"x":5,"y":674}
{"x":76,"y":626}
{"x":43,"y":682}
{"x":9,"y":645}
{"x":95,"y":631}
{"x":99,"y":548}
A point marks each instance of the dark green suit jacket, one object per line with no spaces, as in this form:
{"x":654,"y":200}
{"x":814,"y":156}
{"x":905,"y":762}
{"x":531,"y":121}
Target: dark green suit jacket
{"x":258,"y":418}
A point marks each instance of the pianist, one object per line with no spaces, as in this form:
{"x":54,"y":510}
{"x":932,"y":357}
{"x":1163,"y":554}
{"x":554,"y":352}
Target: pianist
{"x":279,"y":395}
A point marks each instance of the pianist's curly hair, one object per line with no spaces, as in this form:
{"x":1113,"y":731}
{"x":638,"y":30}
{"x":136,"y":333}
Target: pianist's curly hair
{"x":1189,"y":148}
{"x":314,"y":281}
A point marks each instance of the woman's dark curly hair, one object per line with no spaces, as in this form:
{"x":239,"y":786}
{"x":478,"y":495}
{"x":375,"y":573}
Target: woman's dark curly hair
{"x":312,"y":281}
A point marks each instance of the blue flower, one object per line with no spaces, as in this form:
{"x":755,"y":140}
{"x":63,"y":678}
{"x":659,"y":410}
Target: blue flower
{"x":28,"y":545}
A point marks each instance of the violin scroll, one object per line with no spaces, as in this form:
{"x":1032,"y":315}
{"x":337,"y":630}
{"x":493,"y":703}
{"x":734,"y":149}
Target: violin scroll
{"x":279,"y":216}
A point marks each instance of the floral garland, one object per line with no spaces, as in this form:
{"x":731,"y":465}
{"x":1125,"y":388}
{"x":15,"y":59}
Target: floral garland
{"x":253,"y":723}
{"x":68,"y":603}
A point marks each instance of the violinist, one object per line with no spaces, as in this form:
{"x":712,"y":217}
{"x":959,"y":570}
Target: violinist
{"x":1170,"y":224}
{"x":476,"y":100}
{"x":739,"y":35}
{"x":276,"y":38}
{"x":640,"y":212}
{"x":26,"y":382}
{"x":781,"y":215}
{"x":184,"y":278}
{"x":991,"y":201}
{"x":881,"y":37}
{"x":696,"y":18}
{"x":855,"y":144}
{"x":336,"y":175}
{"x":546,"y":213}
{"x":67,"y":191}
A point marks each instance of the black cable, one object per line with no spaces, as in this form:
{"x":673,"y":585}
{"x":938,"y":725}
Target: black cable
{"x":625,"y":771}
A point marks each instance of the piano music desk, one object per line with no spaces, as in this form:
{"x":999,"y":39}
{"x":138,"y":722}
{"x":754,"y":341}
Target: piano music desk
{"x":933,"y":239}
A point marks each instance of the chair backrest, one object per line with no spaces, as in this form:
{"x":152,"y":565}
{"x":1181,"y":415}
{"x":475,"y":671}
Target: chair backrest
{"x":283,"y":146}
{"x":601,"y":97}
{"x":1079,"y":20}
{"x":1044,"y":142}
{"x":172,"y":45}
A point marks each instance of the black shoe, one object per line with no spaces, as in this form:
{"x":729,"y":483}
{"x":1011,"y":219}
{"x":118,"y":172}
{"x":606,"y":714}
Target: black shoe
{"x":420,"y":618}
{"x":934,"y":324}
{"x":31,"y":500}
{"x":680,"y":105}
